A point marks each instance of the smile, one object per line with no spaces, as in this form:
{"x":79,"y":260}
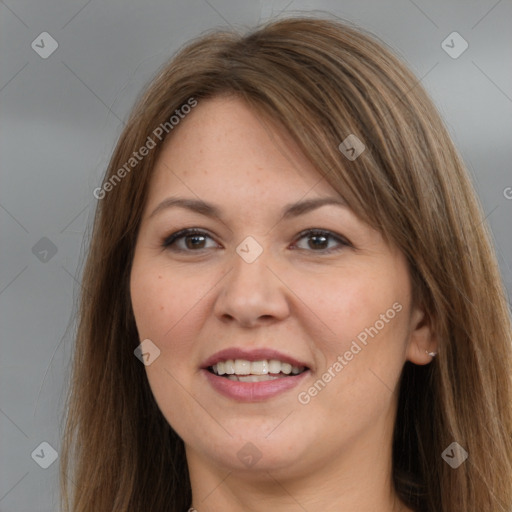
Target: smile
{"x":242,"y":370}
{"x":252,"y":375}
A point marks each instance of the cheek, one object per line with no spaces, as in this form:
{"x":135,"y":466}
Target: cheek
{"x":159,"y":300}
{"x":359,"y":304}
{"x":364,"y":315}
{"x":163,"y":305}
{"x":149,"y":301}
{"x":169,"y":307}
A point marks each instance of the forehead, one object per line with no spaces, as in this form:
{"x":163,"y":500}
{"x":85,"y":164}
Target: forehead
{"x":224,"y":149}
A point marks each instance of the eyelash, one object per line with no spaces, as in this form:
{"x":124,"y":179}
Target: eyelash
{"x":182,"y":234}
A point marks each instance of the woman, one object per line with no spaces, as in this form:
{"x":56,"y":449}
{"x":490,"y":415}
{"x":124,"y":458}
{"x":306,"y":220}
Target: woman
{"x":288,"y":240}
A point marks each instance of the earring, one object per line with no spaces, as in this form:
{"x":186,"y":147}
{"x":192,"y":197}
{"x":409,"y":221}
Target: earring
{"x":431,"y":354}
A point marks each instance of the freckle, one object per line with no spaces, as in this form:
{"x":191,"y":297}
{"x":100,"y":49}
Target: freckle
{"x":159,"y":277}
{"x":161,"y":308}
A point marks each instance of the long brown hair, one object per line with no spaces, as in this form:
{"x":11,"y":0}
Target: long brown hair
{"x":321,"y":81}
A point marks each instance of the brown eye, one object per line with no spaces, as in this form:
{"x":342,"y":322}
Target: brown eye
{"x":322,"y":241}
{"x":318,"y":241}
{"x":194,"y":241}
{"x":187,"y":240}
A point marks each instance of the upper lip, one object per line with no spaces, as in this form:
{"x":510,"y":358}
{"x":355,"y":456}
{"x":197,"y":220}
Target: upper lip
{"x":257,"y":354}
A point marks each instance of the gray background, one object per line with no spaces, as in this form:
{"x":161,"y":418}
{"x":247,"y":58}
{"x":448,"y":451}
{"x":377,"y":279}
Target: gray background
{"x":60,"y":120}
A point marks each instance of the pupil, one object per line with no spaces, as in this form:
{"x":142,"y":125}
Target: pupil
{"x":322,"y":237}
{"x":194,"y":241}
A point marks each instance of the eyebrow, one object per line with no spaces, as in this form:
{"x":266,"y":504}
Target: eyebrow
{"x":210,"y":210}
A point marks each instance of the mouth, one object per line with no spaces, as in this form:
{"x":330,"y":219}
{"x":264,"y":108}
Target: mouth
{"x":253,"y":375}
{"x":243,"y":370}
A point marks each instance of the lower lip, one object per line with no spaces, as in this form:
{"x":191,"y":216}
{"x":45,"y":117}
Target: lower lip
{"x":253,"y":391}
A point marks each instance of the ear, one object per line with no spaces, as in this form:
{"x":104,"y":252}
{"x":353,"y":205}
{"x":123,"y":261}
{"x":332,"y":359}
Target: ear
{"x":422,"y":338}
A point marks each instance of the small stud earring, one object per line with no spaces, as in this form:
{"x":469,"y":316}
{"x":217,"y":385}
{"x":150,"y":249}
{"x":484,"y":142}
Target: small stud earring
{"x":431,"y":354}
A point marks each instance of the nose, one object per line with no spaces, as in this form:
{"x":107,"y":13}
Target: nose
{"x":252,"y":294}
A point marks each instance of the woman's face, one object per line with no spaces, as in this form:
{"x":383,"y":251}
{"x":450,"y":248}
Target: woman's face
{"x":271,"y":284}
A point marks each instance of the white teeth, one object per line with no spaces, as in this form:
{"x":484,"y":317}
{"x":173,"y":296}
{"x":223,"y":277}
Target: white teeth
{"x":259,"y":367}
{"x":221,"y":368}
{"x":286,"y":368}
{"x":229,"y":367}
{"x":253,"y":378}
{"x":255,"y":368}
{"x":242,"y":367}
{"x":274,"y":366}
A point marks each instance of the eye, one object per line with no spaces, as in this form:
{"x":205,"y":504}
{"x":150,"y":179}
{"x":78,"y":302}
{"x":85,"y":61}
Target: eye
{"x":322,"y":241}
{"x":187,"y":240}
{"x":195,"y":240}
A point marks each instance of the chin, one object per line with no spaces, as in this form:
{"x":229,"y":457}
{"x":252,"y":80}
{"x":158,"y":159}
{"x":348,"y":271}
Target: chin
{"x":256,"y":449}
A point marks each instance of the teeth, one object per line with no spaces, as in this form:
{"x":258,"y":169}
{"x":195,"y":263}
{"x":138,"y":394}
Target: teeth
{"x":259,"y":367}
{"x":242,"y":367}
{"x":229,"y":367}
{"x":286,"y":368}
{"x":253,"y":378}
{"x":274,"y":366}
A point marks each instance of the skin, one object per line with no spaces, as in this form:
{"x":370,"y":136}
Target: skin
{"x":333,"y":453}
